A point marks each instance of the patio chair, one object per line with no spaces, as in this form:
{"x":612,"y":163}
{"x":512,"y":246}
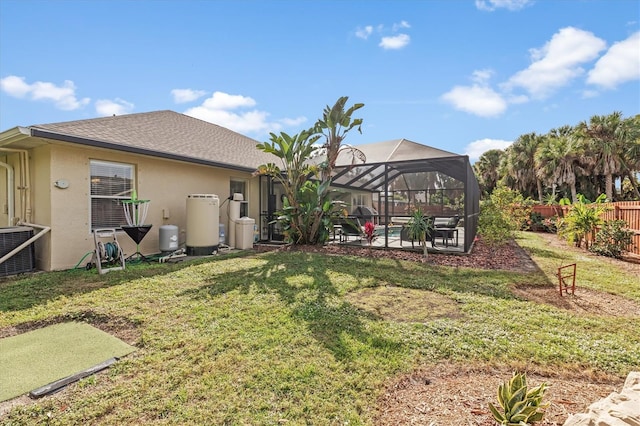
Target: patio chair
{"x":349,"y":227}
{"x":447,"y":229}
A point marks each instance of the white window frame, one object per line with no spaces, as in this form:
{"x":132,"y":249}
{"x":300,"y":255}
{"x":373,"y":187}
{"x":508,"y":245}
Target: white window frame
{"x":110,"y":170}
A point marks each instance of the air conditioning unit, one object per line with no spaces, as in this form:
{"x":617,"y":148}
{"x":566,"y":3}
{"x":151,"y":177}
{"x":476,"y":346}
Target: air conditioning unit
{"x":24,"y":260}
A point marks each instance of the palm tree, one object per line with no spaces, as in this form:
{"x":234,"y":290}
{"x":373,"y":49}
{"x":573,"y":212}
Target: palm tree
{"x":487,"y":169}
{"x":605,"y":137}
{"x":520,"y":163}
{"x":631,"y":151}
{"x":558,"y":159}
{"x":334,"y":125}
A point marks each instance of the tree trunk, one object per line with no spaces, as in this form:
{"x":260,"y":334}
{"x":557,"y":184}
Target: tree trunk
{"x":609,"y":186}
{"x":634,"y":185}
{"x":539,"y":185}
{"x":574,"y":193}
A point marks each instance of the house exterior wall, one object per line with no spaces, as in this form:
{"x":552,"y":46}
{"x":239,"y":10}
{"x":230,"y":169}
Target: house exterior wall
{"x":166,"y":183}
{"x":41,"y":204}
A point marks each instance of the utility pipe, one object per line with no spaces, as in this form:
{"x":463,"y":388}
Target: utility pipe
{"x":10,"y":193}
{"x":25,"y":181}
{"x":43,"y":230}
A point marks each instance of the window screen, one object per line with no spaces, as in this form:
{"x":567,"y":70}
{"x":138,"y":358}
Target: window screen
{"x":110,"y":184}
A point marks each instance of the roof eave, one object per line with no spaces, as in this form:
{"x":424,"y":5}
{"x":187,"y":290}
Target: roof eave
{"x":14,"y":135}
{"x":35,"y":132}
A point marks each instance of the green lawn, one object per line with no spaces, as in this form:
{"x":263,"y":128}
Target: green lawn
{"x":295,"y":338}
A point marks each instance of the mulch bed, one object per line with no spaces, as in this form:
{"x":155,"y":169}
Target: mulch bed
{"x":509,"y":257}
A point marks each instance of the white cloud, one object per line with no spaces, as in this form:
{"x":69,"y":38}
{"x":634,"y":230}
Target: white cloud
{"x":588,"y":94}
{"x":221,"y":100}
{"x":476,"y":148}
{"x":557,"y":63}
{"x":365,"y":32}
{"x":218,"y":109}
{"x":400,"y":25}
{"x":181,"y":96}
{"x":395,"y":42}
{"x":107,"y":107}
{"x":63,"y":97}
{"x":619,"y":65}
{"x":477,"y":99}
{"x":482,"y":76}
{"x":513,"y":5}
{"x":14,"y":86}
{"x":292,"y":122}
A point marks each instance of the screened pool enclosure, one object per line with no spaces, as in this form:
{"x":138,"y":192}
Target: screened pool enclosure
{"x":397,"y":178}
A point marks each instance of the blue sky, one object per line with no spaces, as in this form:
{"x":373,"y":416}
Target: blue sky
{"x":460,"y":75}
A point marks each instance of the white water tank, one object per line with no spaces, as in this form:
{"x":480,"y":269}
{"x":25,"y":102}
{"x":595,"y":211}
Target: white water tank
{"x":203,"y":212}
{"x":168,"y":238}
{"x":244,"y":233}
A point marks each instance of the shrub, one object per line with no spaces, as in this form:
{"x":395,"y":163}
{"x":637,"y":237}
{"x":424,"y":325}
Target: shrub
{"x":519,"y":406}
{"x":581,"y":222}
{"x":612,"y":239}
{"x":505,"y":212}
{"x":493,"y":225}
{"x":514,"y":206}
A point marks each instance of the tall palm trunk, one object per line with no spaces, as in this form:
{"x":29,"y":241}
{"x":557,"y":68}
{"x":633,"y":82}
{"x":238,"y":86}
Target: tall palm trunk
{"x":539,"y":185}
{"x":608,"y":186}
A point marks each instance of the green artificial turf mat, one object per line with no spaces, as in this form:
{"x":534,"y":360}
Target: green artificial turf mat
{"x":39,"y":357}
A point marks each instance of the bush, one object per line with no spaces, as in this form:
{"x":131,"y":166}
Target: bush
{"x":581,"y":222}
{"x":493,"y":225}
{"x":505,"y":212}
{"x":514,"y":206}
{"x":612,"y":239}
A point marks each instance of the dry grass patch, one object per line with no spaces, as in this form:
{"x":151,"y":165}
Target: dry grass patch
{"x":584,"y":301}
{"x":448,"y":394}
{"x":404,"y":304}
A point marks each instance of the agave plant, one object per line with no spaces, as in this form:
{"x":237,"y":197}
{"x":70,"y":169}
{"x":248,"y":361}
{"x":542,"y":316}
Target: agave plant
{"x":519,"y":406}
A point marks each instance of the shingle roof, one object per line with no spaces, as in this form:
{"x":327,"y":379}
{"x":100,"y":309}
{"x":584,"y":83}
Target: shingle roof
{"x":162,"y":133}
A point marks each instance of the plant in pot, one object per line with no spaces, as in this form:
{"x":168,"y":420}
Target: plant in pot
{"x":419,"y":229}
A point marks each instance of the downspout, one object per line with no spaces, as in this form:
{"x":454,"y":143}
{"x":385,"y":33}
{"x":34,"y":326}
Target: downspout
{"x":10,"y":192}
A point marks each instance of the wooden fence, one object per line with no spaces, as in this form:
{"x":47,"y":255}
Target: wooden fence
{"x":629,"y":211}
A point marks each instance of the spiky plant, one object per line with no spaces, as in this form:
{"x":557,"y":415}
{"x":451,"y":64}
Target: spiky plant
{"x":519,"y":406}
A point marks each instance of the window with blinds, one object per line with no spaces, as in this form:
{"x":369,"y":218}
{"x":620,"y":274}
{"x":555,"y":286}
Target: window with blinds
{"x":110,"y":184}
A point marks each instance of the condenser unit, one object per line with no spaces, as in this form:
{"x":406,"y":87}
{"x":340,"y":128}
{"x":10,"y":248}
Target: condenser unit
{"x":24,"y":260}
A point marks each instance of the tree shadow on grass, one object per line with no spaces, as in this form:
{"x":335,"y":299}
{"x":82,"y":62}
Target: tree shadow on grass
{"x":540,"y":252}
{"x":32,"y":289}
{"x":304,"y":285}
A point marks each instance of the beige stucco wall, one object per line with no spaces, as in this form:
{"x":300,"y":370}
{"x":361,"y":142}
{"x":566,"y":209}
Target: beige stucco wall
{"x":166,"y":183}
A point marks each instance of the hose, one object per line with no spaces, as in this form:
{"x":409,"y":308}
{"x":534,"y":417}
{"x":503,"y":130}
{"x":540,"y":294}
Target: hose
{"x":83,"y":258}
{"x":108,"y":252}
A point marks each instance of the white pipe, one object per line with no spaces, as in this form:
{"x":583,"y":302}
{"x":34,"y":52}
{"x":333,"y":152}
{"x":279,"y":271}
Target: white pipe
{"x":43,"y":230}
{"x":10,"y":193}
{"x":25,"y":187}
